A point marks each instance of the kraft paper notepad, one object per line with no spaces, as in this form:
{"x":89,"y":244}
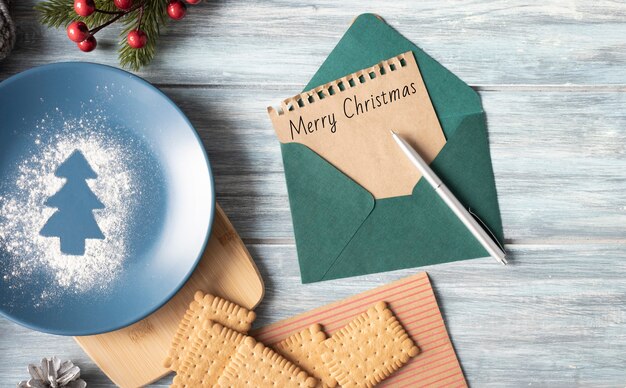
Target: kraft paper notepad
{"x":352,"y":213}
{"x":347,"y":122}
{"x":414,"y":304}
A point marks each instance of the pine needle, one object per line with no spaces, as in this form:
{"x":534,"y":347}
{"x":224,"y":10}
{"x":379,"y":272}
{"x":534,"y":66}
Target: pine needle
{"x":154,"y":16}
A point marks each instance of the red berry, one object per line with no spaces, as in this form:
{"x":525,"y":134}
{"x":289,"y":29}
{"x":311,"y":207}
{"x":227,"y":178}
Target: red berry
{"x":137,"y":39}
{"x":84,"y":7}
{"x":193,"y":1}
{"x":176,"y":9}
{"x":123,"y":4}
{"x":77,"y":31}
{"x":88,"y":44}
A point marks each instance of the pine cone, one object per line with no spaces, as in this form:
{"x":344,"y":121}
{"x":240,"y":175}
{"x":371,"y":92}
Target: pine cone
{"x":53,"y":374}
{"x":7,"y":30}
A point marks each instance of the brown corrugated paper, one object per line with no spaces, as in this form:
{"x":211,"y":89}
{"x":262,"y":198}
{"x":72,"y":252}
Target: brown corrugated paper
{"x":413,"y":302}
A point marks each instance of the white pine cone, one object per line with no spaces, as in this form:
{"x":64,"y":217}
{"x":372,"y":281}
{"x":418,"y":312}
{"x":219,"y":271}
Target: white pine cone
{"x":52,"y":373}
{"x":7,"y":30}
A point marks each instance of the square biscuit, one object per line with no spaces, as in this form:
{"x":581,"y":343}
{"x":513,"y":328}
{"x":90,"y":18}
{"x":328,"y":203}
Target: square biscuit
{"x":255,"y":365}
{"x":208,"y":356}
{"x":368,"y":349}
{"x":204,"y":308}
{"x":305,"y":349}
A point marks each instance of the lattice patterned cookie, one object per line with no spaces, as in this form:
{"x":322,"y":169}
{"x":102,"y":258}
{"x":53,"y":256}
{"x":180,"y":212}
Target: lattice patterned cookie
{"x":206,"y":359}
{"x":368,"y":349}
{"x":305,"y":350}
{"x":206,"y":308}
{"x":255,"y":365}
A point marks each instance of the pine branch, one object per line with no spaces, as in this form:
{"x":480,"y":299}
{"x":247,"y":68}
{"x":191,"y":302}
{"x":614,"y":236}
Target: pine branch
{"x":153,"y":18}
{"x":56,"y":13}
{"x":60,"y":13}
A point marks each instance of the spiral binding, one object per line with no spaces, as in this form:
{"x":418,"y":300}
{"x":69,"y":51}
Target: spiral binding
{"x":340,"y":85}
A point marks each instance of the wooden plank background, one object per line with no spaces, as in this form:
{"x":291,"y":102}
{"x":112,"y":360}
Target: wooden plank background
{"x":552,"y":76}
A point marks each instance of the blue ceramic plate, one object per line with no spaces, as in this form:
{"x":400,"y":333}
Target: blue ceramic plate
{"x":106,"y":198}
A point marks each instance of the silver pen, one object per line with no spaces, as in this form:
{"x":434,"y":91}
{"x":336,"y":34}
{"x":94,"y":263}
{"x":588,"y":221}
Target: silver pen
{"x":459,"y":210}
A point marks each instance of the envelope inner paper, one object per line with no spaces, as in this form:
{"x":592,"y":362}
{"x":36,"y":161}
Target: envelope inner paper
{"x":348,"y":123}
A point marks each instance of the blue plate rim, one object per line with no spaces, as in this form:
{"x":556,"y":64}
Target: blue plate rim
{"x":168,"y":297}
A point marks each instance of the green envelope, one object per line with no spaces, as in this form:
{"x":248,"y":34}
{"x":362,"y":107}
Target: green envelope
{"x":341,"y":230}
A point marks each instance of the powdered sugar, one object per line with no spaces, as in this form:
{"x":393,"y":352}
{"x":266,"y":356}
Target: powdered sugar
{"x":23,"y":214}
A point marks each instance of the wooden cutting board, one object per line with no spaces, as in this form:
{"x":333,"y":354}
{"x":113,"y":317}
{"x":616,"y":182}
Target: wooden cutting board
{"x":133,"y":356}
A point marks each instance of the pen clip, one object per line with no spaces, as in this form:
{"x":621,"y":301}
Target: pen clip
{"x":493,"y":236}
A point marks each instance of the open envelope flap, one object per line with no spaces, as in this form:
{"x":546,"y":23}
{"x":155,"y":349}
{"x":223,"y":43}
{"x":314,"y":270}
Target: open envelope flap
{"x":327,"y":208}
{"x":370,"y":40}
{"x":419,"y":229}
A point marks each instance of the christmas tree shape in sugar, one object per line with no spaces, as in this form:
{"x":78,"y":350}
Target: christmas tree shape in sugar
{"x":74,"y":221}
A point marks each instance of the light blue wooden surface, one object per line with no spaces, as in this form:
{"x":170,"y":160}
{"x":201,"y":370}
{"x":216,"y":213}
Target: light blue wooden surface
{"x":552,"y":76}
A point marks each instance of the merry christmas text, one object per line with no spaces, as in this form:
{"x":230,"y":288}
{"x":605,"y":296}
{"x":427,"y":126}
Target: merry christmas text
{"x":352,"y":106}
